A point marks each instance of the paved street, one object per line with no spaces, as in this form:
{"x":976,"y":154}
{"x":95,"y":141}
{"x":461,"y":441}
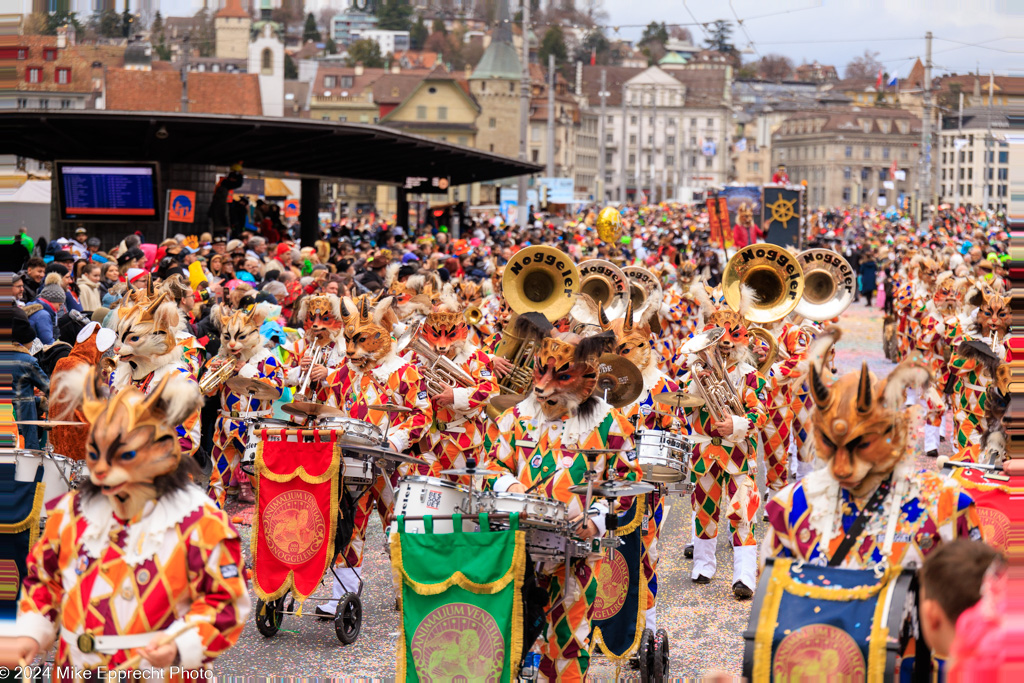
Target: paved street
{"x":705,"y":623}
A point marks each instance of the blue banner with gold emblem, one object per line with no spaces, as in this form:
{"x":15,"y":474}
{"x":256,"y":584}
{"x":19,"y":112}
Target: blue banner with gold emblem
{"x":827,"y":623}
{"x":21,"y":504}
{"x":780,"y":216}
{"x":621,"y":594}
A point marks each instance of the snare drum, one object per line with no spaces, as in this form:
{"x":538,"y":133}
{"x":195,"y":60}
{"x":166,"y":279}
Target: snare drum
{"x":418,"y":496}
{"x":252,"y":438}
{"x":545,"y":521}
{"x":663,"y":456}
{"x":352,"y":431}
{"x":60,"y":474}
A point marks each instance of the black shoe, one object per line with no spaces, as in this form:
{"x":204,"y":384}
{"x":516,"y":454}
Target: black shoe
{"x":323,"y":615}
{"x":688,"y":552}
{"x":942,"y":439}
{"x":702,"y":579}
{"x":741,"y":591}
{"x":932,"y":453}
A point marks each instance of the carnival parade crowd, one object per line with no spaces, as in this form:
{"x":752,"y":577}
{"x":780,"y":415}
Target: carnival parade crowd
{"x":487,"y":358}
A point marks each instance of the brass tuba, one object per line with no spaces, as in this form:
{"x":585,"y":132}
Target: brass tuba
{"x":772,"y":273}
{"x":829,"y":283}
{"x":606,"y":284}
{"x":710,"y":376}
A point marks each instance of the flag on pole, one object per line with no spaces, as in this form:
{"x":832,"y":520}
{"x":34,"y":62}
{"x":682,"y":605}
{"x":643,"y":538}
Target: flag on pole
{"x":593,"y":56}
{"x":893,"y":82}
{"x":878,"y":81}
{"x":893,"y":169}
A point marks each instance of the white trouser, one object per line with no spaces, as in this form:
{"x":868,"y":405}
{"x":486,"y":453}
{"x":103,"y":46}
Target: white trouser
{"x":744,"y":565}
{"x":349,"y":583}
{"x":704,"y":560}
{"x":798,"y":468}
{"x":651,"y":618}
{"x":931,"y":438}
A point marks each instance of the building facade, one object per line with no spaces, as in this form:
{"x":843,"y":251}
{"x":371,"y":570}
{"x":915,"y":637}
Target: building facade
{"x":847,"y":155}
{"x":974,"y":157}
{"x":343,"y":25}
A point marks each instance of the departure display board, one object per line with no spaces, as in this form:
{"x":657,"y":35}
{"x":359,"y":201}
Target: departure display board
{"x":108,"y":191}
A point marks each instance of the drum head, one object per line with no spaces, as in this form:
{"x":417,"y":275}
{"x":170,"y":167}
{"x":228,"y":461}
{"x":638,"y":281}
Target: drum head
{"x":661,"y":474}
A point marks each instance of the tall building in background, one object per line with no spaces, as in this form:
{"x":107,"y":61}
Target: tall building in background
{"x":495,"y":85}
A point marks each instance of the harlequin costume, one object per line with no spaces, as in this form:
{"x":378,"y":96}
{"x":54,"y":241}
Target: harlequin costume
{"x":678,"y":311}
{"x":240,"y":345}
{"x":320,"y":316}
{"x":373,"y":374}
{"x":527,"y":445}
{"x":722,"y":464}
{"x":457,"y":429}
{"x":139,"y":551}
{"x":861,"y":432}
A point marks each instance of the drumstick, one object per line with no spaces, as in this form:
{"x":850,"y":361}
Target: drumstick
{"x":166,"y":640}
{"x":23,"y":665}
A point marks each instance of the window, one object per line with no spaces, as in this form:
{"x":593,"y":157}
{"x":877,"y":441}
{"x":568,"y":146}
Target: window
{"x":632,"y":120}
{"x":865,"y":173}
{"x":492,"y":123}
{"x":343,"y":118}
{"x":650,"y":120}
{"x":707,"y":162}
{"x":711,"y":123}
{"x":326,"y":118}
{"x":757,"y":166}
{"x":442,"y":113}
{"x":648,"y":162}
{"x":49,"y":54}
{"x":22,"y":53}
{"x":44,"y":104}
{"x":65,"y":104}
{"x":632,"y":160}
{"x":22,"y":103}
{"x":847,"y":174}
{"x":632,"y":139}
{"x":670,"y":161}
{"x":650,"y":139}
{"x":536,"y":155}
{"x":608,"y":137}
{"x":1004,"y":173}
{"x":611,"y":119}
{"x":885,"y":152}
{"x":330,"y":81}
{"x":511,"y":86}
{"x":1004,"y":157}
{"x":33,"y":74}
{"x":693,"y":122}
{"x":1002,"y":190}
{"x":607,"y":157}
{"x":670,"y":140}
{"x":346,"y":81}
{"x":463,"y":140}
{"x":693,"y":141}
{"x":846,"y":194}
{"x":421,"y":112}
{"x":883,"y":174}
{"x":849,"y":152}
{"x":62,"y":75}
{"x":867,"y":152}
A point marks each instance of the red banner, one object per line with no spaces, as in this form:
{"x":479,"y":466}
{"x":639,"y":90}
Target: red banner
{"x":998,"y":502}
{"x":296,"y":513}
{"x":714,"y":222}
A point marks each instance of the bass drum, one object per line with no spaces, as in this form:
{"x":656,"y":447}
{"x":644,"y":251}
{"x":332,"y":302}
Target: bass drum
{"x":819,"y":623}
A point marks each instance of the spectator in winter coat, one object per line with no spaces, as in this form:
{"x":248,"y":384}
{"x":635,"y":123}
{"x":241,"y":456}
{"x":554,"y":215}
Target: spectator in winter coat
{"x":89,"y":287}
{"x":26,"y":376}
{"x":46,"y":308}
{"x":35,"y":271}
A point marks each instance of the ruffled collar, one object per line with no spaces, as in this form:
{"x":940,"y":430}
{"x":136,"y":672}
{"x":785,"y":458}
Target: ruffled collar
{"x":574,"y":427}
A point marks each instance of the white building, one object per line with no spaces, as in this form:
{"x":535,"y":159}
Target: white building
{"x":964,"y":172}
{"x":390,"y":42}
{"x":266,"y":59}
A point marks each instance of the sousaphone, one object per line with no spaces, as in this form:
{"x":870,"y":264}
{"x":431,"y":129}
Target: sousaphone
{"x":606,"y":284}
{"x":829,"y":284}
{"x":774,"y":275}
{"x":541,"y":279}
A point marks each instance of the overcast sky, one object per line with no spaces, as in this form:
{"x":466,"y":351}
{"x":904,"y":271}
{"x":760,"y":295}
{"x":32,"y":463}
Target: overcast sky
{"x":835,"y":31}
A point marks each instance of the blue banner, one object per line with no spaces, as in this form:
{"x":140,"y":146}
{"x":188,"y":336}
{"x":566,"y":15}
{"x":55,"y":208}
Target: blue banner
{"x":621,"y":596}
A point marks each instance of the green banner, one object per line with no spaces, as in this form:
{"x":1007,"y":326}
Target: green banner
{"x":461,"y":602}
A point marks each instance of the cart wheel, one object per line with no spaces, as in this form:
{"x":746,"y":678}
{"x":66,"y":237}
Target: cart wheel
{"x":348,"y":620}
{"x":268,"y":616}
{"x":646,"y":655}
{"x":661,"y":661}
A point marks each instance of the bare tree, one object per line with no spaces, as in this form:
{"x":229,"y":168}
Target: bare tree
{"x":865,"y":66}
{"x":681,"y":33}
{"x":775,"y":67}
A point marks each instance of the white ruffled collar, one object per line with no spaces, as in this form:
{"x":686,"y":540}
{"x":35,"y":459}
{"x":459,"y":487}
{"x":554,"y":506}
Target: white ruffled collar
{"x":388,"y":366}
{"x":651,"y":375}
{"x":147,"y":534}
{"x":574,"y":427}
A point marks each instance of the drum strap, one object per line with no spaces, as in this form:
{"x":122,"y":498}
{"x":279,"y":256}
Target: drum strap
{"x":873,"y":506}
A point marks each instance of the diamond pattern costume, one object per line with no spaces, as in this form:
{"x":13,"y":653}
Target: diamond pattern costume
{"x":969,"y":400}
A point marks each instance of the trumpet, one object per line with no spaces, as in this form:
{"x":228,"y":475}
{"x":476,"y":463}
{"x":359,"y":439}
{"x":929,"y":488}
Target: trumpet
{"x":319,"y":355}
{"x":218,"y":370}
{"x":473,"y":315}
{"x":439,"y":372}
{"x":710,"y":375}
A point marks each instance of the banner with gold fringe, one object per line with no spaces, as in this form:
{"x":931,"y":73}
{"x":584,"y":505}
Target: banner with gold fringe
{"x":621,"y":596}
{"x":21,"y":504}
{"x":826,"y":623}
{"x":461,"y":602}
{"x":297,"y":489}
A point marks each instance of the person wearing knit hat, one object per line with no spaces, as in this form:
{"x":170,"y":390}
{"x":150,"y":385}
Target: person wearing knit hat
{"x":44,"y":310}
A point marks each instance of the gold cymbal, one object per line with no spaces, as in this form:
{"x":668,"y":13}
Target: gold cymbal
{"x":244,"y":386}
{"x":678,"y":399}
{"x":389,"y":408}
{"x":619,"y":382}
{"x":307,"y":409}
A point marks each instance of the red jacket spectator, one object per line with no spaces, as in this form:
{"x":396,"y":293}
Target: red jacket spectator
{"x":741,"y":236}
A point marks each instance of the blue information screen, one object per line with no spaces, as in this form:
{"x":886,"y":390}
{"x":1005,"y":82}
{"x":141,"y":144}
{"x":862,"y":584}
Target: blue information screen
{"x":108,"y":191}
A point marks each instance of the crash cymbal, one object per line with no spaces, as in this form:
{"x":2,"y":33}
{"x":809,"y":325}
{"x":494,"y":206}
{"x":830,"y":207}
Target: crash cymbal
{"x":385,"y":453}
{"x":50,"y":424}
{"x":389,"y":408}
{"x":593,"y":450}
{"x":307,"y":409}
{"x":616,"y":488}
{"x":678,"y":399}
{"x":619,"y":382}
{"x":506,"y":401}
{"x":245,"y":386}
{"x":475,"y":472}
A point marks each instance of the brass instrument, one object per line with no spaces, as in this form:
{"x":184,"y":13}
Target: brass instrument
{"x":318,"y":358}
{"x":439,"y":372}
{"x":643,"y":286}
{"x":829,"y":284}
{"x":775,"y":276}
{"x":710,"y":376}
{"x":218,"y":370}
{"x":606,"y":284}
{"x":609,"y":225}
{"x":773,"y":347}
{"x":541,"y":279}
{"x":473,"y":315}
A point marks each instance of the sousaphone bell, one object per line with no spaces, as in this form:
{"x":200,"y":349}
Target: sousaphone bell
{"x":774,"y":275}
{"x":829,"y":284}
{"x":606,"y":284}
{"x":542,"y":279}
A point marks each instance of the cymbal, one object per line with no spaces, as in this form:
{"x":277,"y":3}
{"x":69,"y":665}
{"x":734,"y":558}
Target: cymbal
{"x":386,"y":453}
{"x":475,"y":472}
{"x":616,"y":488}
{"x":506,"y":401}
{"x":678,"y":399}
{"x":245,"y":386}
{"x":307,"y":409}
{"x":50,"y":424}
{"x":619,"y":381}
{"x":389,"y":408}
{"x":593,"y":450}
